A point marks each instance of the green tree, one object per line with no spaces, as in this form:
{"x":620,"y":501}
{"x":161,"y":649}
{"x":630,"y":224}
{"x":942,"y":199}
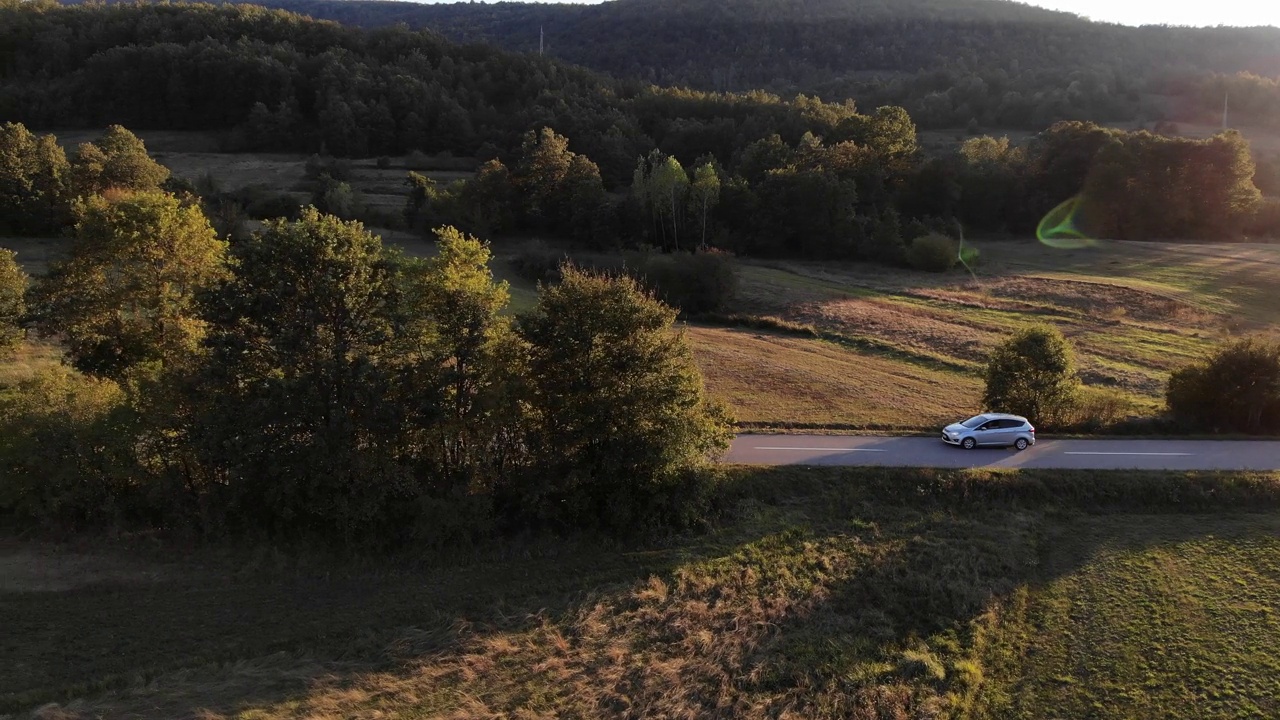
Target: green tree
{"x":117,"y":160}
{"x":704,"y":195}
{"x":669,"y":190}
{"x":1032,"y":374}
{"x":1235,"y":389}
{"x":584,"y":195}
{"x":488,"y":202}
{"x":34,"y":196}
{"x":13,"y":288}
{"x":127,"y":293}
{"x":467,"y":359}
{"x":544,"y":163}
{"x":616,"y":405}
{"x":300,"y":422}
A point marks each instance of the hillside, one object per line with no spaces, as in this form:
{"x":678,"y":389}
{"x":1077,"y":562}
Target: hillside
{"x":1000,"y":63}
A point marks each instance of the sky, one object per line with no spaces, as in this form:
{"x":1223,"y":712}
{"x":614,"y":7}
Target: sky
{"x":1172,"y":12}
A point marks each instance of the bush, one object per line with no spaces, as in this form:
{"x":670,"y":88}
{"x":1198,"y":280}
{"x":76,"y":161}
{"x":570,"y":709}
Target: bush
{"x":265,"y":205}
{"x":64,"y":450}
{"x":695,"y":283}
{"x":339,"y":169}
{"x":1098,"y":409}
{"x":1033,"y":374}
{"x":538,"y":262}
{"x":384,"y":162}
{"x":417,"y":160}
{"x":1236,"y":389}
{"x":13,"y":288}
{"x":933,"y":253}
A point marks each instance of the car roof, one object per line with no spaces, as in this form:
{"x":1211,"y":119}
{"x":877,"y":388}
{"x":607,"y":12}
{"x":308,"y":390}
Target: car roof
{"x":1003,"y":416}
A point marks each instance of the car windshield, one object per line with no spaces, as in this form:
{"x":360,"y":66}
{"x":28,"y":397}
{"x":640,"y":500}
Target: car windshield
{"x":974,"y":422}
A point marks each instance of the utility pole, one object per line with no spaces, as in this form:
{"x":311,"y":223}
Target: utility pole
{"x":541,"y":39}
{"x":1226,"y":98}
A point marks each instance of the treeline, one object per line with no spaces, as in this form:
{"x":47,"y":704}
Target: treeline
{"x":1115,"y":184}
{"x":306,"y":382}
{"x":996,"y":63}
{"x":865,"y":193}
{"x":270,"y":80}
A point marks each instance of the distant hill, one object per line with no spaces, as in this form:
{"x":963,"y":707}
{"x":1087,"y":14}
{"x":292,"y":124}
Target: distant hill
{"x":947,"y":61}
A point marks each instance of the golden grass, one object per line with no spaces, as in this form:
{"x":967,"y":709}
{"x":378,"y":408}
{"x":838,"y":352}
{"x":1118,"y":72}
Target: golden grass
{"x":834,"y":593}
{"x":27,"y":360}
{"x":768,"y":378}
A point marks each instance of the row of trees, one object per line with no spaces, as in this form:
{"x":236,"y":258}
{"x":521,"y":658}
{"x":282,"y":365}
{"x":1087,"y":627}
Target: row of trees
{"x":865,"y":192}
{"x":307,"y":381}
{"x":39,"y":184}
{"x":1129,"y":185}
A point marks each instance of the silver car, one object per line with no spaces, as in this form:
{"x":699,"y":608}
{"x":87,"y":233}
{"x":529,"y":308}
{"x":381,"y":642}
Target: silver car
{"x":991,"y":430}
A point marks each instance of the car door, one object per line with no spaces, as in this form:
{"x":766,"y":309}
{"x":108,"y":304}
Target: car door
{"x":1005,"y":433}
{"x":988,"y":433}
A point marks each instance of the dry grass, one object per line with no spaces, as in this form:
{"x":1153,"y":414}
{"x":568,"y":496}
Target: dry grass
{"x":769,"y":378}
{"x":27,"y":360}
{"x":836,"y":593}
{"x":1135,"y":311}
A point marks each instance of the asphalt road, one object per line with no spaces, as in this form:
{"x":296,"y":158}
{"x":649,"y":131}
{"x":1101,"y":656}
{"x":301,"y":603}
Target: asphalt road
{"x":1048,"y":454}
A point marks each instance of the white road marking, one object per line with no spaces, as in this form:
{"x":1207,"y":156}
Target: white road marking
{"x":821,"y":449}
{"x":1144,"y":454}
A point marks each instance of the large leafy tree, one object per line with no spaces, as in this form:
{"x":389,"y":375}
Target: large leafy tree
{"x":303,"y":351}
{"x":1032,"y":374}
{"x":34,"y":196}
{"x":13,"y":287}
{"x":127,"y":293}
{"x":467,"y":358}
{"x":117,"y":160}
{"x":545,"y":160}
{"x":616,"y":404}
{"x":1235,"y":389}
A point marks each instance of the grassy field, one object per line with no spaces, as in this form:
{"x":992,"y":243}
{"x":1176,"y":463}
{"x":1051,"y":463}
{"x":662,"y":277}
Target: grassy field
{"x":825,"y":593}
{"x":897,"y":349}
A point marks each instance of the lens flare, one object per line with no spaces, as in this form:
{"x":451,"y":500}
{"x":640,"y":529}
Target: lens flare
{"x":1061,"y":228}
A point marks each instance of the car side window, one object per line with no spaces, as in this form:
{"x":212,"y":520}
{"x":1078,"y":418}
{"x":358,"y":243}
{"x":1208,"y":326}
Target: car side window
{"x":1009,"y":424}
{"x":988,"y":426}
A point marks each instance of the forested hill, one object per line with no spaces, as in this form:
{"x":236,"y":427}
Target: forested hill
{"x":948,"y":62}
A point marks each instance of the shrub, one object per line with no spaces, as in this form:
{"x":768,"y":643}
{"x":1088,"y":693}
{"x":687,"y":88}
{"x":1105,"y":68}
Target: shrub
{"x":1236,"y":389}
{"x":538,"y":262}
{"x":319,"y":166}
{"x":262,"y":204}
{"x":933,"y":253}
{"x":13,"y":288}
{"x":696,"y":283}
{"x":1033,"y":374}
{"x":64,"y":450}
{"x":417,"y":160}
{"x":384,"y":162}
{"x":1098,"y":409}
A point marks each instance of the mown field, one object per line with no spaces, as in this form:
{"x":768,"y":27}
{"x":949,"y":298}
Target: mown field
{"x":887,"y":349}
{"x":823,"y":593}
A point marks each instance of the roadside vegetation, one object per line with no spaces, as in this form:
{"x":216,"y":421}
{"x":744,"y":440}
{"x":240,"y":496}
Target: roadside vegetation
{"x":821,"y":593}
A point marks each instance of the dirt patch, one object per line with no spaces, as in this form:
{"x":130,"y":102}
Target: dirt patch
{"x":1098,"y":301}
{"x":913,"y":328}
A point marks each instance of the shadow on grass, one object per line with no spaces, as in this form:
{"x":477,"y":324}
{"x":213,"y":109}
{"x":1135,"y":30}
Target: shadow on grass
{"x":843,"y":592}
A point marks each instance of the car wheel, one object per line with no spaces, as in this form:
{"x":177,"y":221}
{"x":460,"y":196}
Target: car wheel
{"x":969,"y":444}
{"x":1021,"y":444}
